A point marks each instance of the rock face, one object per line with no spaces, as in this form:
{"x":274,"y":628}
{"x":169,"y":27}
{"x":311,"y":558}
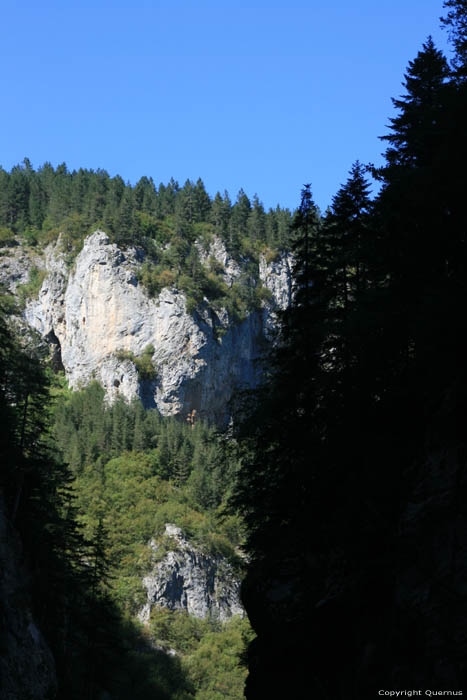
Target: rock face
{"x":16,"y":265}
{"x":27,"y":668}
{"x":99,"y":309}
{"x":189,"y":579}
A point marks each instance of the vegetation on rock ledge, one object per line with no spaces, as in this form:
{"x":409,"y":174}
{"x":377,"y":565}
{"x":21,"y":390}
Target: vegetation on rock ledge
{"x":170,"y":223}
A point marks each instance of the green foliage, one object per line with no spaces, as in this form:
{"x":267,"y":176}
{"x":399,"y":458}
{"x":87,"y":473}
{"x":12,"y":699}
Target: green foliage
{"x":144,"y":364}
{"x":7,"y":237}
{"x":95,"y":650}
{"x":138,"y":471}
{"x":124,"y":493}
{"x":270,"y":254}
{"x":177,"y":629}
{"x":32,"y":236}
{"x":30,"y":290}
{"x":8,"y":303}
{"x":86,"y":539}
{"x":73,"y":229}
{"x":135,"y":503}
{"x":215,"y":666}
{"x":211,"y":652}
{"x":205,"y":283}
{"x":156,"y":277}
{"x":165,"y":222}
{"x":139,"y":672}
{"x":181,"y":475}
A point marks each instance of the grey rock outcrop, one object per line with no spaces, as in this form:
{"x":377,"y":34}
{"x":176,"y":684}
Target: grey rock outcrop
{"x":188,"y":578}
{"x":15,"y":266}
{"x":27,"y":667}
{"x":231,"y":270}
{"x":277,"y":278}
{"x":98,"y":311}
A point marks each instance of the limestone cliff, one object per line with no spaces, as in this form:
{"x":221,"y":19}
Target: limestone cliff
{"x":187,"y":578}
{"x":99,"y":311}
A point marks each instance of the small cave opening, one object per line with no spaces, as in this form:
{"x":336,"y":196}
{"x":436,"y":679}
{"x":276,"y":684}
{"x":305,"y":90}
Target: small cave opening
{"x":55,"y":351}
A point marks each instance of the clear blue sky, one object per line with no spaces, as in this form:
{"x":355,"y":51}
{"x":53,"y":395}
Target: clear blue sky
{"x":262,"y":95}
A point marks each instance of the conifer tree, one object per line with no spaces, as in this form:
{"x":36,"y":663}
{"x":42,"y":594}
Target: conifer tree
{"x":139,"y":438}
{"x":81,"y":183}
{"x":456,"y":23}
{"x":184,"y":210}
{"x":96,"y":199}
{"x":256,"y":224}
{"x":217,"y":213}
{"x":167,"y":196}
{"x":416,"y":129}
{"x":139,"y":193}
{"x":347,"y":229}
{"x":201,"y":202}
{"x":239,"y":220}
{"x":220,"y":214}
{"x":125,"y":219}
{"x":415,"y":212}
{"x":304,"y":244}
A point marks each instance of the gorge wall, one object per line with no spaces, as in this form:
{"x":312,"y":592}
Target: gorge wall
{"x":98,"y":317}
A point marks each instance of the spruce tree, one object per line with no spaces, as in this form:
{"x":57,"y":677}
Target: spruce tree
{"x":416,"y":214}
{"x":347,"y":228}
{"x":139,"y":194}
{"x":256,"y":223}
{"x":184,"y":210}
{"x":201,"y":202}
{"x":217,"y":214}
{"x":415,"y":131}
{"x":125,"y":222}
{"x":456,"y":24}
{"x":239,"y":220}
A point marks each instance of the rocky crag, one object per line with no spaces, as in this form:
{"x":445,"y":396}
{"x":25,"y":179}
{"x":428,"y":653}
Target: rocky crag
{"x":97,"y":318}
{"x":187,"y":578}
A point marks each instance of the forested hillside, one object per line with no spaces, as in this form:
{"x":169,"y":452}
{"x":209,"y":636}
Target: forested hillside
{"x":87,"y":486}
{"x":36,"y":206}
{"x":338,"y":490}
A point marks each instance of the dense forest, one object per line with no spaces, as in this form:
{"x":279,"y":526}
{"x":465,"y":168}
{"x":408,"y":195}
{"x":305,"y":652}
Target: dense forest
{"x":93,"y":482}
{"x":352,"y":483}
{"x":342,"y":478}
{"x":169,"y":223}
{"x":87,"y":486}
{"x":37,"y":205}
{"x":118,"y":474}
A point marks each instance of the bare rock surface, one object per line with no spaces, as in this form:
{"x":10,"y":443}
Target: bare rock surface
{"x":16,"y":264}
{"x":98,"y":311}
{"x":187,"y":578}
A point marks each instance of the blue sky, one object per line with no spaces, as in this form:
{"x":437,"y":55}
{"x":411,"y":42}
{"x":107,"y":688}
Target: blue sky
{"x":262,"y":95}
